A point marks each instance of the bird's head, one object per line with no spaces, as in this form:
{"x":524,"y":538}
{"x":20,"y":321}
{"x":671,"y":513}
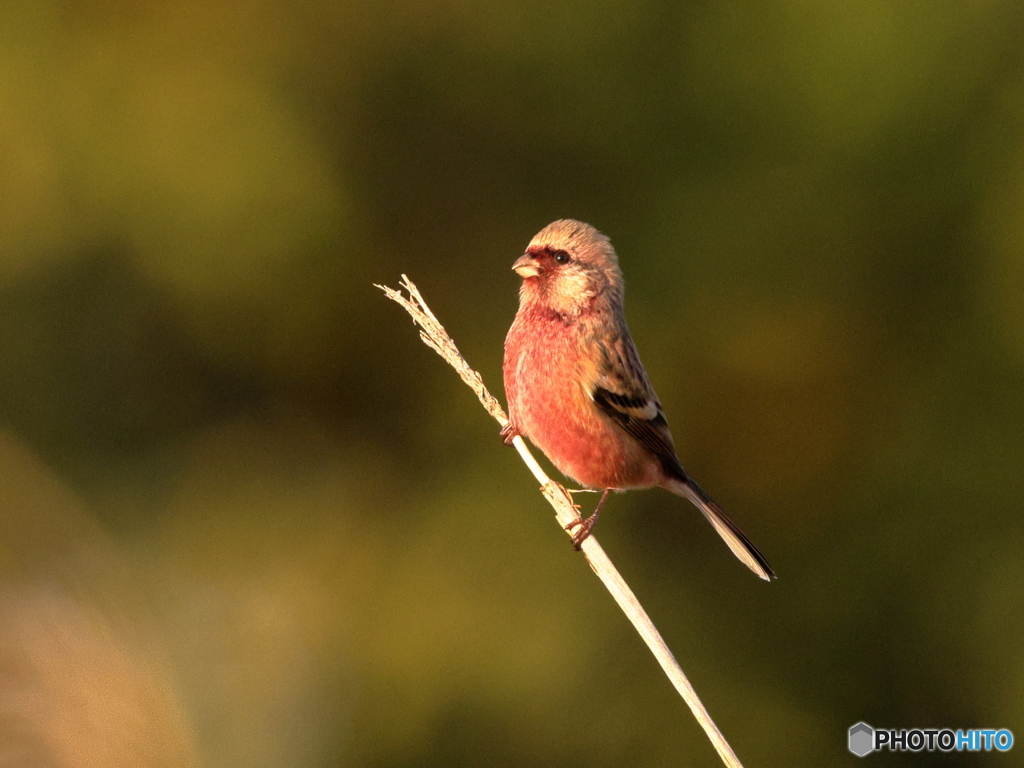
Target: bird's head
{"x":568,"y":265}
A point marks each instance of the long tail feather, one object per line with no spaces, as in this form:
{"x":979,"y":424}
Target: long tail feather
{"x":738,"y":542}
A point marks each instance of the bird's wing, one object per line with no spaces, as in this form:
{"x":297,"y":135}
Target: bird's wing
{"x":622,"y":391}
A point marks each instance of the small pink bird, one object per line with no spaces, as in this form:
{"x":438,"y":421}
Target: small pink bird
{"x":577,"y":389}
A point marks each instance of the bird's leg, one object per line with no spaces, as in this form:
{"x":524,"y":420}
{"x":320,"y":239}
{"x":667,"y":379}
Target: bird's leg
{"x":583,"y":527}
{"x":509,"y":433}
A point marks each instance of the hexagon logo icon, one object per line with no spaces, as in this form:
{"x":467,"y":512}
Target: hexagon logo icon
{"x":862,"y":739}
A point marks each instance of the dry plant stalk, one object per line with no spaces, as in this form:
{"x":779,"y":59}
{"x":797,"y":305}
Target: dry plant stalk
{"x":436,"y":337}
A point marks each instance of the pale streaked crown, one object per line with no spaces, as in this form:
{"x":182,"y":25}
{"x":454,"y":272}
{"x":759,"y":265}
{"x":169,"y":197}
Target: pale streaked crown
{"x":581,"y":240}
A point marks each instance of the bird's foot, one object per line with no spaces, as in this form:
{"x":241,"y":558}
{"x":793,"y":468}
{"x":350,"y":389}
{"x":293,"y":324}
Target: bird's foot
{"x":509,"y":433}
{"x":580,"y":529}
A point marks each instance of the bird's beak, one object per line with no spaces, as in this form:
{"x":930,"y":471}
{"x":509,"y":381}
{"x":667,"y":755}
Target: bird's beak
{"x":526,"y":266}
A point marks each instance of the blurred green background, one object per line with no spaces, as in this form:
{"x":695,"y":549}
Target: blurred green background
{"x":248,"y":520}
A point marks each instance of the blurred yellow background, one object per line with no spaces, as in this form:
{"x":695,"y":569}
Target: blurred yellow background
{"x":248,"y":520}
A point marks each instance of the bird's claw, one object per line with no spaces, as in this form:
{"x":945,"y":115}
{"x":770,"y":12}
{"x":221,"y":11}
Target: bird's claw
{"x":509,"y":433}
{"x":582,"y":530}
{"x":584,"y":526}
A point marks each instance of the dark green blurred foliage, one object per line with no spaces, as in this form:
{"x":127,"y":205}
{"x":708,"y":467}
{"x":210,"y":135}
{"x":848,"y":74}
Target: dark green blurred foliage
{"x":249,"y":520}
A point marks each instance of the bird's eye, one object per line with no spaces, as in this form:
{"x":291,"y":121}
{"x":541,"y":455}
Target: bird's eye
{"x":562,"y":257}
